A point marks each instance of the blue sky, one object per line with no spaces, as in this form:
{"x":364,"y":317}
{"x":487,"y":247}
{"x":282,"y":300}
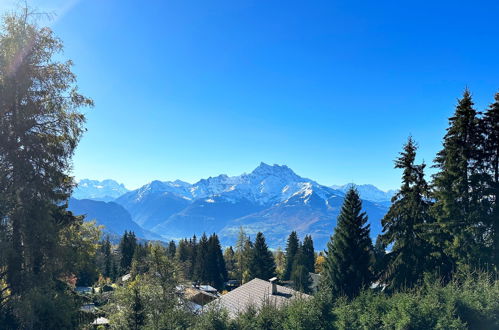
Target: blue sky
{"x":190,"y":89}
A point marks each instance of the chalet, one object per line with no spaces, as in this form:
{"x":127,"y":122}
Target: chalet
{"x":256,"y":293}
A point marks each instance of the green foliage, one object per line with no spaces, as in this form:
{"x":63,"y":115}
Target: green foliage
{"x":491,"y":132}
{"x":308,"y":254}
{"x":292,"y":246}
{"x":347,"y":269}
{"x":217,"y":271}
{"x":172,"y":249}
{"x":162,"y":303}
{"x":136,"y":318}
{"x":262,"y":263}
{"x":127,"y":247}
{"x":40,"y":126}
{"x":459,"y":305}
{"x":230,"y":262}
{"x":213,"y":319}
{"x":459,"y":188}
{"x":405,"y":224}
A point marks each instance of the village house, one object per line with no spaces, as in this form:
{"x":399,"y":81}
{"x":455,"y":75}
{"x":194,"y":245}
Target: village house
{"x":256,"y":293}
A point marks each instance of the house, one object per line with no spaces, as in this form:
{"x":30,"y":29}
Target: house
{"x":206,"y":288}
{"x":256,"y":293}
{"x":198,"y":298}
{"x":100,"y":322}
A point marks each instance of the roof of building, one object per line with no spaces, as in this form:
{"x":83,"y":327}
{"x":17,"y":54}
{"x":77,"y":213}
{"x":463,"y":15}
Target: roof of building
{"x":255,"y":293}
{"x":100,"y":321}
{"x":205,"y":287}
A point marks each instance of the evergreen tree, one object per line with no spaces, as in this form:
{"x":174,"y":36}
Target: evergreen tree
{"x":460,"y":209}
{"x":491,"y":129}
{"x":348,"y":260}
{"x":246,"y":259}
{"x":241,"y":245}
{"x":291,"y":250}
{"x":405,"y":224}
{"x":108,"y":258}
{"x":127,"y":247}
{"x":230,"y":261}
{"x":40,"y":126}
{"x":172,"y":249}
{"x":190,"y":265}
{"x":262,"y":263}
{"x":308,"y":254}
{"x":217,"y":272}
{"x":136,"y":318}
{"x":380,"y":258}
{"x":300,"y":274}
{"x":139,"y":255}
{"x":200,"y":269}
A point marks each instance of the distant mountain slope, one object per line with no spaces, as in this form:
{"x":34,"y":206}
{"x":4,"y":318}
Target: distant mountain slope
{"x":272,"y":199}
{"x":112,"y":216}
{"x":369,"y":192}
{"x":106,"y":190}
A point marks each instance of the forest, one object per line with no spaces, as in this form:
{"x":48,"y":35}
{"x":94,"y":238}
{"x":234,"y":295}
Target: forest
{"x":435,"y":265}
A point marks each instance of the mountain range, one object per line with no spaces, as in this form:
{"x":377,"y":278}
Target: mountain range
{"x":272,"y":199}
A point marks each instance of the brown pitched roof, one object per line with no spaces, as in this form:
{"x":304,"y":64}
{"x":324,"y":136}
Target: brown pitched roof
{"x":255,"y":293}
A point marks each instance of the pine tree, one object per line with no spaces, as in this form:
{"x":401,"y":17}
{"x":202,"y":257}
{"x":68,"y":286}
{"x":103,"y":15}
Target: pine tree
{"x":241,"y":245}
{"x":108,"y":258}
{"x":136,"y":317}
{"x":460,"y":208}
{"x":308,"y":254}
{"x":300,"y":274}
{"x":40,"y":127}
{"x":200,"y":269}
{"x":291,"y":250}
{"x":230,"y":261}
{"x":217,"y":272}
{"x":127,"y":247}
{"x":262,"y":263}
{"x":246,"y":259}
{"x":172,"y":249}
{"x":491,"y":130}
{"x":405,"y":224}
{"x":348,"y":260}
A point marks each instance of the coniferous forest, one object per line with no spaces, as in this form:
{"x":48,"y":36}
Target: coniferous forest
{"x":435,"y":265}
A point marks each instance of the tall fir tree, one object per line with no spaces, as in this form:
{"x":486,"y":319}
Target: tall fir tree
{"x":108,"y":258}
{"x":262,"y":263}
{"x":217,"y":271}
{"x":137,"y":316}
{"x":127,"y":247}
{"x":230,"y":261}
{"x":459,"y":187}
{"x":200,"y":268}
{"x":241,"y":245}
{"x":292,"y":247}
{"x":347,"y":269}
{"x":172,"y":249}
{"x":40,"y":127}
{"x":491,"y":130}
{"x":300,"y":274}
{"x":308,"y":254}
{"x":405,"y":224}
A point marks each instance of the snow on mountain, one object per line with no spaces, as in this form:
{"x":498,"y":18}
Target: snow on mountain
{"x":272,"y":198}
{"x":106,"y":190}
{"x":369,"y":192}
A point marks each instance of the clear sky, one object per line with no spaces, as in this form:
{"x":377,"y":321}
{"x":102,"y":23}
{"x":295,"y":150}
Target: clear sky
{"x":190,"y":89}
